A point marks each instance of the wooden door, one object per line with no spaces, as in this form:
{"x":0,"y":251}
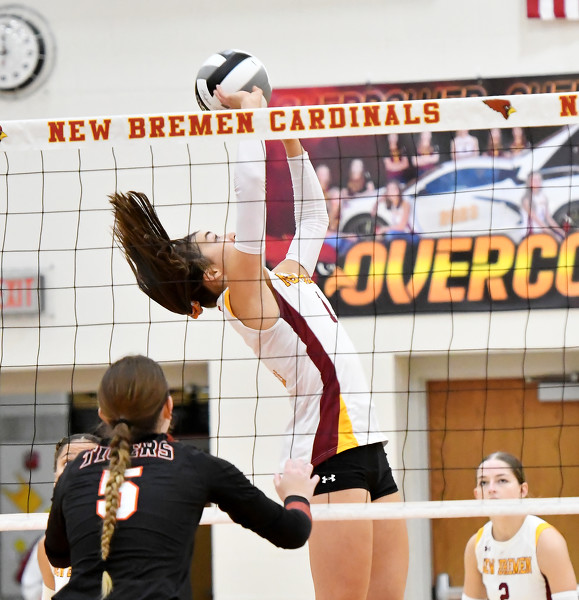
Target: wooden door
{"x":470,"y":419}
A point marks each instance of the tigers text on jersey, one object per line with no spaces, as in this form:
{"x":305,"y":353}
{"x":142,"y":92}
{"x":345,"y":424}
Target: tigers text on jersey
{"x":162,"y":500}
{"x":311,"y":353}
{"x":510,"y":569}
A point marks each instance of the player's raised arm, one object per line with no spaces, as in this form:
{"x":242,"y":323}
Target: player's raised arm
{"x":249,"y":296}
{"x":310,"y":212}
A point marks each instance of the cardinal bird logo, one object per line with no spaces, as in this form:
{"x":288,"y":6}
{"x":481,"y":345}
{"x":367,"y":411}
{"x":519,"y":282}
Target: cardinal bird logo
{"x":501,"y":106}
{"x":2,"y":134}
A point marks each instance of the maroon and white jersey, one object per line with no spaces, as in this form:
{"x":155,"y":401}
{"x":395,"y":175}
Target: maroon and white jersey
{"x":510,"y":569}
{"x":309,"y":351}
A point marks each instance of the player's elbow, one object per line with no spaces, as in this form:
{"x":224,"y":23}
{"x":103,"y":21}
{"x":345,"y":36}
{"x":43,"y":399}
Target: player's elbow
{"x":296,"y":539}
{"x":295,"y":534}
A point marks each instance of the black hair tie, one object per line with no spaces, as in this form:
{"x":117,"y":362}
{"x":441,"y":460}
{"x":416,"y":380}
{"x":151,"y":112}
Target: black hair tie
{"x":119,"y":421}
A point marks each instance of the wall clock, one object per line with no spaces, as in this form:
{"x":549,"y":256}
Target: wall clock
{"x":26,"y":49}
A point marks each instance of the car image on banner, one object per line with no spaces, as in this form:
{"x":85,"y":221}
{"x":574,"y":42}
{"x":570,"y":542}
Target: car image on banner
{"x":482,"y":194}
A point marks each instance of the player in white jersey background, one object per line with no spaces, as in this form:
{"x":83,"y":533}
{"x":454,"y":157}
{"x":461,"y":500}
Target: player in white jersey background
{"x":515,"y":557}
{"x":287,"y":321}
{"x":40,"y":579}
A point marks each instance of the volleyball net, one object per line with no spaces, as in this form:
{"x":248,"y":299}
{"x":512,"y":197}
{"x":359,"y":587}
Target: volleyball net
{"x":451,"y":259}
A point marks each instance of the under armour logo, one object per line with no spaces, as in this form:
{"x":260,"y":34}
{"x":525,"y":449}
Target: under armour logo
{"x":325,"y":479}
{"x":487,"y":548}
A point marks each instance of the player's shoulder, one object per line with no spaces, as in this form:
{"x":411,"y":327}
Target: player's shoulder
{"x":535,"y":525}
{"x":471,"y":546}
{"x":546,"y":536}
{"x":181,"y":445}
{"x":475,"y":540}
{"x":188,"y":451}
{"x":204,"y":465}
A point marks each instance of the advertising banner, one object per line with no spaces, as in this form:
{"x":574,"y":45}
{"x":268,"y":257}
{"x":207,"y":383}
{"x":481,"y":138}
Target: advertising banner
{"x":427,"y":221}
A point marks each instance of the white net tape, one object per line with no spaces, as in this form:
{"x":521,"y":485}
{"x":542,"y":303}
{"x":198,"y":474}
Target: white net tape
{"x":377,"y":118}
{"x":447,"y":509}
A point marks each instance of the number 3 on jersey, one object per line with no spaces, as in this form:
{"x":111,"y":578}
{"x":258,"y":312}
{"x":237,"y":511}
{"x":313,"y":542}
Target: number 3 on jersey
{"x":129,"y":494}
{"x":505,"y":589}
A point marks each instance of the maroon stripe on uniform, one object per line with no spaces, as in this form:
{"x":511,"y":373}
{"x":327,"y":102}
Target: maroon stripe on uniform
{"x":326,"y":438}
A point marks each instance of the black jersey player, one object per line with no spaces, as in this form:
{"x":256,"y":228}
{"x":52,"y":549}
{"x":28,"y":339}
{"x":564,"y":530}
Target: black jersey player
{"x":124,"y":514}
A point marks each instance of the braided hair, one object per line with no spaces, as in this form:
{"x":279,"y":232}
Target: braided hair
{"x":119,"y":461}
{"x":131,"y":397}
{"x":169,"y":271}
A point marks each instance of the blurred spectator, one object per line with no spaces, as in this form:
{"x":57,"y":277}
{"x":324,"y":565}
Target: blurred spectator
{"x":535,"y":205}
{"x":359,"y":180}
{"x":340,"y":242}
{"x":399,"y":214}
{"x":495,"y":146}
{"x":396,"y":160}
{"x":519,"y":143}
{"x":332,"y":195}
{"x":427,"y":155}
{"x":464,"y":145}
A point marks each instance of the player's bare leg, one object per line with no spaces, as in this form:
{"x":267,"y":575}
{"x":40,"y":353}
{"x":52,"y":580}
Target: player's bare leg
{"x":390,"y":557}
{"x":341,"y":552}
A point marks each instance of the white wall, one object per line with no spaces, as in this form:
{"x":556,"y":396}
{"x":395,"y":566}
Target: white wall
{"x":140,"y":56}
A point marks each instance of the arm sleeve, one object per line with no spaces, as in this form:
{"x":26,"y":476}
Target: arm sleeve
{"x":56,"y":541}
{"x":249,"y":181}
{"x":287,"y":526}
{"x":310,"y":212}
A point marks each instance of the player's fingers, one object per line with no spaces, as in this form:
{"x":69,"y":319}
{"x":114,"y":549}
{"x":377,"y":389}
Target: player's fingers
{"x":302,"y":466}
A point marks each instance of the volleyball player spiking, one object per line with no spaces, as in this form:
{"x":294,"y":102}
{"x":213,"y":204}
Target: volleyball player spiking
{"x":284,"y":317}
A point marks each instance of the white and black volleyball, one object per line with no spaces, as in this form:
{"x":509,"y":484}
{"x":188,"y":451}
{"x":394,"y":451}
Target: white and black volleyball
{"x":234,"y":70}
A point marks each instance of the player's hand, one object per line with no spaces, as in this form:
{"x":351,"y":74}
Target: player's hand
{"x":241,"y":99}
{"x":296,"y":480}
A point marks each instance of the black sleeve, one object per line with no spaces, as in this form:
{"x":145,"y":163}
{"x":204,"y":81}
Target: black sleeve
{"x":286,"y":526}
{"x":56,"y":541}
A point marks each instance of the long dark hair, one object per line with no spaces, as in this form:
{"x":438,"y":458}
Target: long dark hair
{"x":131,"y":396}
{"x":169,"y":271}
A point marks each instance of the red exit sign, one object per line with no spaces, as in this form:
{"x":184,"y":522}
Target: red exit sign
{"x":20,"y":293}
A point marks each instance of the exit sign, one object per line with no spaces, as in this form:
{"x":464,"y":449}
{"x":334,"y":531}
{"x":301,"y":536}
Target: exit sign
{"x":20,"y":293}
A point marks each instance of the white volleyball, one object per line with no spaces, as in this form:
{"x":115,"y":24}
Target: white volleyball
{"x":234,"y":70}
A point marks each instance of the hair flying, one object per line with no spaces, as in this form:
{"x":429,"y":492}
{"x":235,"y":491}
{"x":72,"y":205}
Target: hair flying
{"x":169,"y":271}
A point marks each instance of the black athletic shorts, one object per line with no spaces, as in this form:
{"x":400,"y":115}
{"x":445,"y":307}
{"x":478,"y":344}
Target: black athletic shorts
{"x":364,"y":467}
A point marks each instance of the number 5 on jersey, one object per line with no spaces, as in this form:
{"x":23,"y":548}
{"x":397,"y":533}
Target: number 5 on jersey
{"x":129,"y":494}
